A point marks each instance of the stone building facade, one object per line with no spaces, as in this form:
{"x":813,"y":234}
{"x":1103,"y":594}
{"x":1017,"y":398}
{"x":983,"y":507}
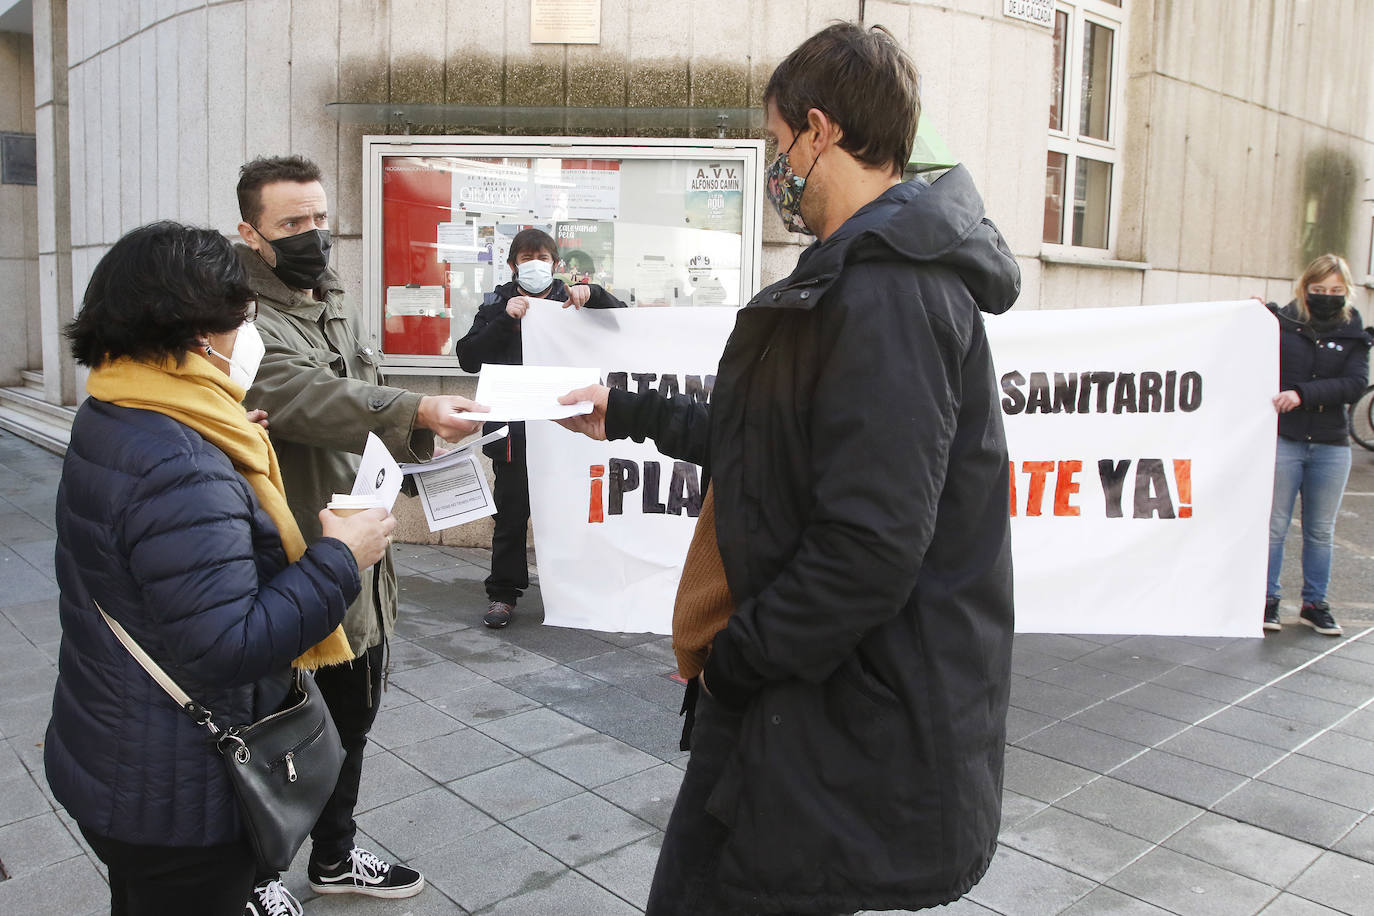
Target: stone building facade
{"x":1132,"y":151}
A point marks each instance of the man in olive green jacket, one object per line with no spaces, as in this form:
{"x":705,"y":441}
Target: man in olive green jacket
{"x":321,"y":387}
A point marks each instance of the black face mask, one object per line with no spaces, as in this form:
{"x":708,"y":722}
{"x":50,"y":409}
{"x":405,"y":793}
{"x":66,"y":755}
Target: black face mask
{"x":1324,"y":307}
{"x":301,"y":259}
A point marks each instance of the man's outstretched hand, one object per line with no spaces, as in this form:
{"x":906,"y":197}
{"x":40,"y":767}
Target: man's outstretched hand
{"x":437,"y":413}
{"x":591,"y":425}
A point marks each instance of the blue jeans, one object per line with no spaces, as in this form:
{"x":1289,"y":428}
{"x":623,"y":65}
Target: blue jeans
{"x":1319,"y":472}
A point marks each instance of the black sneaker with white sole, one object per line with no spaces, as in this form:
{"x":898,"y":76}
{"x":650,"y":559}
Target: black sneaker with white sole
{"x":1317,"y":615}
{"x":1271,"y":614}
{"x":362,"y":872}
{"x":271,"y":898}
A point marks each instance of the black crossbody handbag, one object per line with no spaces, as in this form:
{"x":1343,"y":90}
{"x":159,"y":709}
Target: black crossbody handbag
{"x":283,"y":767}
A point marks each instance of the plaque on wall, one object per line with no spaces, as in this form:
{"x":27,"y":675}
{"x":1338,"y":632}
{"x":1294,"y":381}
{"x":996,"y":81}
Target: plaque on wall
{"x":18,"y":159}
{"x":565,"y":22}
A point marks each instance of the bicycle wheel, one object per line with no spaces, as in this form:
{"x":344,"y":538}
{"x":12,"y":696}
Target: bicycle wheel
{"x":1362,"y":419}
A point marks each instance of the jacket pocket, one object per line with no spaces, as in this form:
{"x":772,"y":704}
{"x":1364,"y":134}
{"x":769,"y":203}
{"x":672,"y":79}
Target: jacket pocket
{"x":324,"y":357}
{"x":369,"y":362}
{"x":853,"y":675}
{"x":369,"y":355}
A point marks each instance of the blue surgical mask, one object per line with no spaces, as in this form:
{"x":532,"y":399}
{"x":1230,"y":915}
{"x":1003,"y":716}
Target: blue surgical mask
{"x":534,"y":276}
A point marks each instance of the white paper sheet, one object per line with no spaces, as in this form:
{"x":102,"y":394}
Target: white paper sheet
{"x":457,"y":243}
{"x":415,"y":300}
{"x":455,"y":493}
{"x":456,"y":455}
{"x":379,"y":474}
{"x":537,"y":303}
{"x":530,"y":392}
{"x":578,"y":194}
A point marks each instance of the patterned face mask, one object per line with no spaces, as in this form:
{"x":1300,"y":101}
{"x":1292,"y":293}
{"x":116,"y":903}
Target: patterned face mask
{"x":784,"y":189}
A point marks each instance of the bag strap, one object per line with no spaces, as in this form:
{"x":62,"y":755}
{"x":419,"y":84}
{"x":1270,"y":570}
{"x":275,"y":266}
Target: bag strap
{"x":192,"y":708}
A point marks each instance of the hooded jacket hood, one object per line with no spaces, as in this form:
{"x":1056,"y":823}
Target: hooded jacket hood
{"x":941,"y":222}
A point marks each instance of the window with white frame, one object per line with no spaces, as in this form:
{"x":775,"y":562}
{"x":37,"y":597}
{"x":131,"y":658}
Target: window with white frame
{"x":1081,"y":171}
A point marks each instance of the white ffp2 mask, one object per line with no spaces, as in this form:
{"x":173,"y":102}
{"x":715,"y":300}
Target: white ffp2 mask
{"x":246,"y":357}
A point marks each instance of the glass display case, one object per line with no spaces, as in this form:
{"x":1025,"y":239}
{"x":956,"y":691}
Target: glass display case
{"x":659,"y":223}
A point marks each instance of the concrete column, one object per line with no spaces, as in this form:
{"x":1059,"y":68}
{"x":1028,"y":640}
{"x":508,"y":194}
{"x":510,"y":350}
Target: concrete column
{"x":54,"y":197}
{"x":18,"y":242}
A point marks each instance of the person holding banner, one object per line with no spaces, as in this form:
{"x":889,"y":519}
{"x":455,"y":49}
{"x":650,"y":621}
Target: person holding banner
{"x":1323,"y":367}
{"x":495,"y":338}
{"x":845,"y":608}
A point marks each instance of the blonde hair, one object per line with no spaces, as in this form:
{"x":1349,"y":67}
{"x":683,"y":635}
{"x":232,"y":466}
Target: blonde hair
{"x":1320,"y":268}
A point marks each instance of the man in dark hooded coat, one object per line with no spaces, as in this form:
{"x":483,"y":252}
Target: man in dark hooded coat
{"x":845,"y":611}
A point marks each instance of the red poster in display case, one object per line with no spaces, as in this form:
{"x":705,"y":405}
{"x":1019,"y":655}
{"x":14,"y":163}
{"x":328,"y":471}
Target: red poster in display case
{"x":416,"y":198}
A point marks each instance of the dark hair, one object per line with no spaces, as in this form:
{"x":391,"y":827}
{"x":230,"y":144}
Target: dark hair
{"x":156,"y":292}
{"x":861,"y":79}
{"x":265,"y":170}
{"x":532,"y":240}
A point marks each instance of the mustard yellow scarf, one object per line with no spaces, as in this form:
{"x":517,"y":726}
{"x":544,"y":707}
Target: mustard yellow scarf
{"x":198,"y":395}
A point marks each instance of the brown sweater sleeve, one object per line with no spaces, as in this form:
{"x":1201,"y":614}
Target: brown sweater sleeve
{"x":703,"y":604}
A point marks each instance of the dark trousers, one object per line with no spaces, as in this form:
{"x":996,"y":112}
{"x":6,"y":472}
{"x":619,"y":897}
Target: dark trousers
{"x":510,"y":571}
{"x":352,"y":692}
{"x":175,"y":880}
{"x":685,"y":880}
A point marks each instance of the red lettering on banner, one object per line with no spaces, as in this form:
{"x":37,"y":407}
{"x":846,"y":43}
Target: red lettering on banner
{"x":1065,"y":486}
{"x":1035,"y":493}
{"x":595,"y":512}
{"x":1142,"y":481}
{"x":1183,"y":478}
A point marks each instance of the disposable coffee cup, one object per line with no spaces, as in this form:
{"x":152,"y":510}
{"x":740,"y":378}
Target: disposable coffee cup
{"x":345,"y":504}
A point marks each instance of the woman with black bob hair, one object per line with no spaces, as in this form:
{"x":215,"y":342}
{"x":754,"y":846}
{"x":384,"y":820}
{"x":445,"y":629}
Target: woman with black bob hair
{"x":172,"y":518}
{"x":159,"y":290}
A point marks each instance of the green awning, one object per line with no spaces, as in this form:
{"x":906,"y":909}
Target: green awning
{"x":929,"y":152}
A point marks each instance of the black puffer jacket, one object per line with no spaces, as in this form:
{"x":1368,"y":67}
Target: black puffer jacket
{"x":1328,"y":370}
{"x":155,"y":524}
{"x":856,"y":449}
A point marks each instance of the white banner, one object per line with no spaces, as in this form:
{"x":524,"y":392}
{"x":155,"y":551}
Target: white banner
{"x":612,"y":520}
{"x":1142,"y":448}
{"x":1143,"y":445}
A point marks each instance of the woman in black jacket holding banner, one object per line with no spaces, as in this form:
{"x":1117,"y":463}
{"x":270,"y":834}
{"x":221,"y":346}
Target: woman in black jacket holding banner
{"x":1323,"y":367}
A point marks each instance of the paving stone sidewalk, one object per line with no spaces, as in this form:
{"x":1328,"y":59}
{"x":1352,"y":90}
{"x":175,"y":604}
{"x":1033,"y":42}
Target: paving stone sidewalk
{"x":531,"y":770}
